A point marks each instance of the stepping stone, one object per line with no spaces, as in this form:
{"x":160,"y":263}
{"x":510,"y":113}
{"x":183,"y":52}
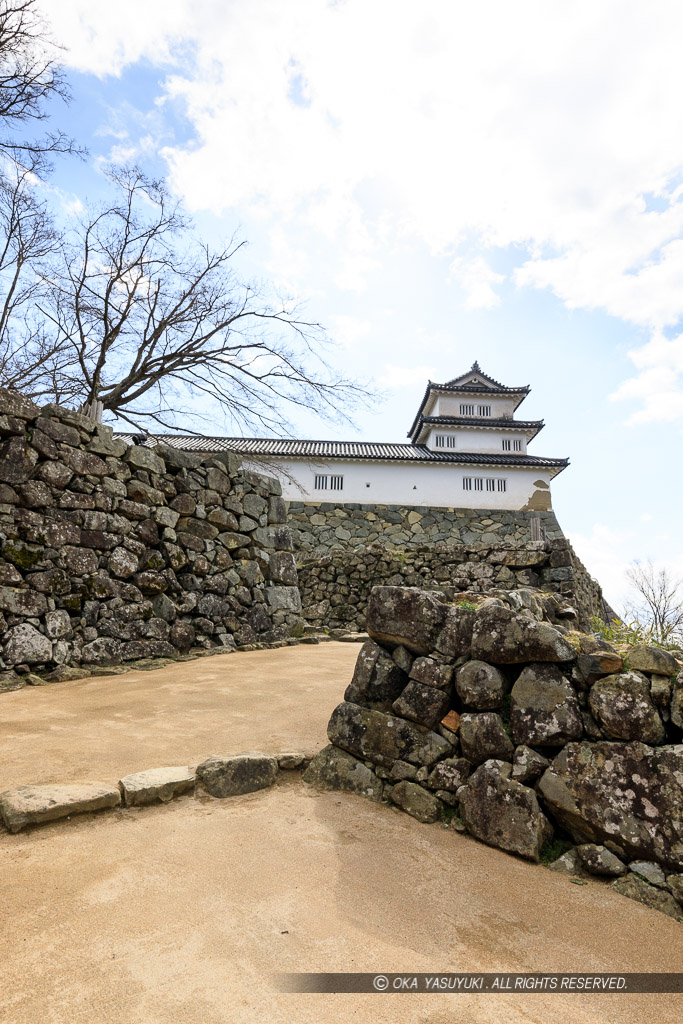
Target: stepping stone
{"x":33,"y":805}
{"x":232,"y":776}
{"x":156,"y":784}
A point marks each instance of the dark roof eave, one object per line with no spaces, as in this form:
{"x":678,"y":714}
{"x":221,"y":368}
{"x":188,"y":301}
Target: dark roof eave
{"x":531,"y":427}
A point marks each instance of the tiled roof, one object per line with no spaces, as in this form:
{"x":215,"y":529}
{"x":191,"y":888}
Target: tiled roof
{"x":484,"y":421}
{"x":283,"y":448}
{"x":480,"y":373}
{"x":530,"y":427}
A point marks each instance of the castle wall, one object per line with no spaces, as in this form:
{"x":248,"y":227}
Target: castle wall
{"x":112,"y":553}
{"x":342,"y":551}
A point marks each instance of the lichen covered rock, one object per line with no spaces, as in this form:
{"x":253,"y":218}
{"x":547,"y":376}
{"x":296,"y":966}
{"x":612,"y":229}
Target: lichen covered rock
{"x":504,"y":637}
{"x":336,"y":769}
{"x":544,"y":710}
{"x":628,"y":793}
{"x":504,"y":813}
{"x":623,"y":707}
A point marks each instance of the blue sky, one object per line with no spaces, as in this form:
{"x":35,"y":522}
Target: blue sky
{"x":439,"y":183}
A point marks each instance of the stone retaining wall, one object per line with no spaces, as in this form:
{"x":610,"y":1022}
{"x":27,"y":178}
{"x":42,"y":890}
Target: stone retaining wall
{"x":111,"y":553}
{"x":536,"y":739}
{"x":320,"y":527}
{"x":343,"y":551}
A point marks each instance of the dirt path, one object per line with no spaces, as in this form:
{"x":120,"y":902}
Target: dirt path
{"x":182,"y":915}
{"x":107,"y":726}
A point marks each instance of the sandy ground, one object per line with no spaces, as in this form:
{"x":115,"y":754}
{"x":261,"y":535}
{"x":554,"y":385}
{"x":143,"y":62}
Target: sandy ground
{"x":104,"y":727}
{"x":184,"y":913}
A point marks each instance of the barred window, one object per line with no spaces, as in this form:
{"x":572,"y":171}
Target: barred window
{"x":507,"y":444}
{"x":467,"y":410}
{"x":517,"y":445}
{"x":502,"y":485}
{"x":336,"y":483}
{"x":490,"y":484}
{"x":484,"y":410}
{"x":467,"y":483}
{"x":478,"y":483}
{"x":320,"y":483}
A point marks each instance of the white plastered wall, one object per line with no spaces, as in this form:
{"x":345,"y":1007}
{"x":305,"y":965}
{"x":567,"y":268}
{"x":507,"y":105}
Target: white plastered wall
{"x":449,"y":405}
{"x":473,"y":439}
{"x":397,"y":483}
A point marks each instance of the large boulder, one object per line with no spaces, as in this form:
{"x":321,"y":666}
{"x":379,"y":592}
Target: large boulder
{"x":544,"y":710}
{"x":377,"y":679}
{"x":24,"y":644}
{"x":505,"y":637}
{"x":383,"y":739}
{"x":335,"y":769}
{"x":483,"y":737}
{"x":455,"y":639}
{"x":504,"y":813}
{"x":407,"y":616}
{"x":480,"y":686}
{"x":622,"y":705}
{"x":422,"y":703}
{"x":416,"y":801}
{"x":625,"y":793}
{"x":652,"y":659}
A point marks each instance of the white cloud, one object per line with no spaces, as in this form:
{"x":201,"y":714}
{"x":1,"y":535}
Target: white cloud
{"x":396,"y":378}
{"x":543,"y":128}
{"x":477,"y":280}
{"x":607,"y":553}
{"x":658,"y":384}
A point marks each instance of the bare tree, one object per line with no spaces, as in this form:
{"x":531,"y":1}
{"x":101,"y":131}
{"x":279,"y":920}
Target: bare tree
{"x":149,"y":315}
{"x":30,"y":76}
{"x":657,"y":601}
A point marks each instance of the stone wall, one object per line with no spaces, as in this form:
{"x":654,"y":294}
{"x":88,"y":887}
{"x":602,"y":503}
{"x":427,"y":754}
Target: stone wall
{"x":534,"y":738}
{"x":320,"y":527}
{"x":111,"y":553}
{"x":343,"y":551}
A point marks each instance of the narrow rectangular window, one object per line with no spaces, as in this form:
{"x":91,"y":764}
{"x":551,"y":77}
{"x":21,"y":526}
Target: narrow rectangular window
{"x":467,"y":483}
{"x":467,"y":410}
{"x":336,"y":483}
{"x":438,"y":440}
{"x":517,"y":445}
{"x":450,"y":440}
{"x":478,"y":483}
{"x":506,"y":445}
{"x":320,"y":483}
{"x":501,"y":485}
{"x":490,"y":484}
{"x":484,"y":410}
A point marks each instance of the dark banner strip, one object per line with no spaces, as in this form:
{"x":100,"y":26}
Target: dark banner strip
{"x":625,"y":984}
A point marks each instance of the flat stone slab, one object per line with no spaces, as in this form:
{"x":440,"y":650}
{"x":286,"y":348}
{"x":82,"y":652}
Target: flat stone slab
{"x":156,"y":784}
{"x":33,"y":805}
{"x":241,"y":773}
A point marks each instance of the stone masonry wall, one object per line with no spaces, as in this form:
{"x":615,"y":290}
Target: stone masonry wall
{"x":112,"y":553}
{"x":343,"y":551}
{"x":490,"y":718}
